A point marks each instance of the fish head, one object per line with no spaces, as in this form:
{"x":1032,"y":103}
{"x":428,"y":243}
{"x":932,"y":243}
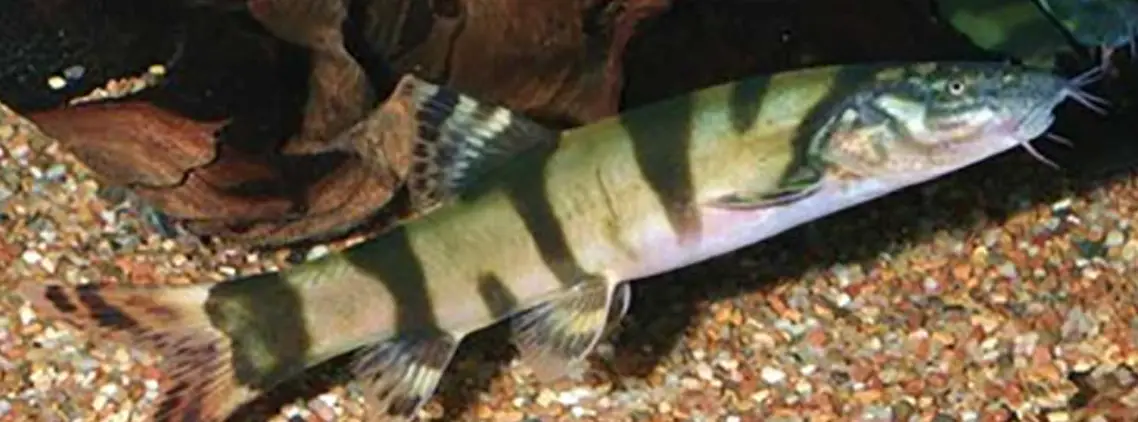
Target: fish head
{"x":930,"y":119}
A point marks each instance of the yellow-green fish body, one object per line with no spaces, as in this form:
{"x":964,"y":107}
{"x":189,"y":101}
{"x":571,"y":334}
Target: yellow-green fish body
{"x":548,"y":227}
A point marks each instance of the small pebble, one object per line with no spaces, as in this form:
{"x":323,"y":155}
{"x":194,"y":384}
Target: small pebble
{"x":1114,"y":238}
{"x":56,"y":82}
{"x":316,"y":252}
{"x":27,"y":314}
{"x":31,"y":257}
{"x":74,"y":72}
{"x":772,"y":375}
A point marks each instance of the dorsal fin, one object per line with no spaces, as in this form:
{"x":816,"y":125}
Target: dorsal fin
{"x":460,"y":139}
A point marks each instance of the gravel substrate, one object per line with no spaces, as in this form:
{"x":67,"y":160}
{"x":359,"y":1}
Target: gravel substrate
{"x":1005,"y":291}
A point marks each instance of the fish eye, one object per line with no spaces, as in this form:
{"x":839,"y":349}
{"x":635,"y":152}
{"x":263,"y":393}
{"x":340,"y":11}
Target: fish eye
{"x":956,"y":87}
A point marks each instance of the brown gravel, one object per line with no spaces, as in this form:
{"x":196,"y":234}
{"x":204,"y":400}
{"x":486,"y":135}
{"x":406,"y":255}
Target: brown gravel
{"x":1005,"y":291}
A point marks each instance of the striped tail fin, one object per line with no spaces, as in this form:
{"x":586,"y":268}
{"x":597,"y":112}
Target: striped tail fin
{"x":198,"y":382}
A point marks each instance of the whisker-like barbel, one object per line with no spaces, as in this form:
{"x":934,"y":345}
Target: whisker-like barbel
{"x":1059,"y":139}
{"x":1075,"y":88}
{"x":1086,"y":99}
{"x":1026,"y":144}
{"x":1087,"y":77}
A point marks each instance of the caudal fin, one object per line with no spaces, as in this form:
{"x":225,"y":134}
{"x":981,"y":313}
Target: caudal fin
{"x":198,"y":377}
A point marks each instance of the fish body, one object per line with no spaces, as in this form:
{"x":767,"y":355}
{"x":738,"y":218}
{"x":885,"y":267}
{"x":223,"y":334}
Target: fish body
{"x":1104,"y":24}
{"x":1017,"y":28}
{"x":547,"y":228}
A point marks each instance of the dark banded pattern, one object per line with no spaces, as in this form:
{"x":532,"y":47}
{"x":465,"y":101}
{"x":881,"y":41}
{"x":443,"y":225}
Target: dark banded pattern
{"x":662,"y":145}
{"x":496,"y":295}
{"x":546,"y":230}
{"x":263,"y":317}
{"x":396,"y":265}
{"x":459,"y":140}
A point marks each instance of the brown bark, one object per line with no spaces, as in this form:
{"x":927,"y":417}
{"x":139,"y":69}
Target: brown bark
{"x":560,"y":62}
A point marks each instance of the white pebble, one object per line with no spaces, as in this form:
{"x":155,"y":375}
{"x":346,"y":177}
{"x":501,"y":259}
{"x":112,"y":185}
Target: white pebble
{"x":109,"y":390}
{"x":48,"y":265}
{"x":581,"y":412}
{"x":151,"y":389}
{"x":179,"y":260}
{"x":704,"y":371}
{"x":99,"y":403}
{"x":27,"y":315}
{"x":570,"y":398}
{"x":808,"y":369}
{"x":56,"y":82}
{"x":843,"y":300}
{"x":1061,"y":205}
{"x":316,"y":252}
{"x":31,"y":257}
{"x":772,"y":375}
{"x":329,"y":399}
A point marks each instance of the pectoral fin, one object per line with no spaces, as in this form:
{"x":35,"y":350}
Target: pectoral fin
{"x":800,"y":185}
{"x":558,"y":334}
{"x":756,"y":200}
{"x":400,"y":375}
{"x":460,"y":139}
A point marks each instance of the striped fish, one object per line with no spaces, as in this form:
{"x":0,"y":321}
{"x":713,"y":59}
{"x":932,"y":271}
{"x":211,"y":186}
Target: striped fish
{"x":546,"y":228}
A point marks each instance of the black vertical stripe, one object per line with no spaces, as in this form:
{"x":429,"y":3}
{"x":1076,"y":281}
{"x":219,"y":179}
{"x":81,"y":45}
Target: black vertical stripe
{"x":746,"y":102}
{"x":105,"y":314}
{"x":497,"y":297}
{"x":58,"y":298}
{"x":529,"y":196}
{"x":259,"y":313}
{"x":392,"y":260}
{"x":661,"y":140}
{"x":437,"y":108}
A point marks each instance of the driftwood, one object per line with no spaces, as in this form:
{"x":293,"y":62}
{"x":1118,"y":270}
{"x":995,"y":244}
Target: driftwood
{"x":261,"y":171}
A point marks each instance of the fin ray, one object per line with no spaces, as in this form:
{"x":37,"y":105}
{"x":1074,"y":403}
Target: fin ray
{"x":400,"y":375}
{"x":558,"y":334}
{"x":170,"y":321}
{"x":460,"y":139}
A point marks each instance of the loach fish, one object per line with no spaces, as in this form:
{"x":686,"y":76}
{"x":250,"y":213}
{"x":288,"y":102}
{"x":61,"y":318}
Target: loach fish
{"x":1102,"y":24}
{"x":547,"y":227}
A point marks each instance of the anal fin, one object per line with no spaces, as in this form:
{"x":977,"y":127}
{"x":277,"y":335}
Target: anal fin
{"x":555,"y":336}
{"x":400,"y":375}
